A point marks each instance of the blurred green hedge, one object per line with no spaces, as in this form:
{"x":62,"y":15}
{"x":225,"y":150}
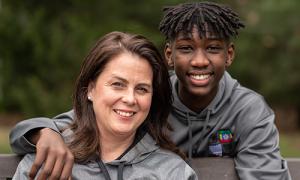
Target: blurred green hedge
{"x":42,"y":44}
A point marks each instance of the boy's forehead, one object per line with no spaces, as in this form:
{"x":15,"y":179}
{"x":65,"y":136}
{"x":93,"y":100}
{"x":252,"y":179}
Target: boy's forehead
{"x":205,"y":32}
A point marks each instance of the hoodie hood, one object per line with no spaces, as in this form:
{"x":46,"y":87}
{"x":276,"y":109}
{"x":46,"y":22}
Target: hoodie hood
{"x":139,"y":152}
{"x":136,"y":154}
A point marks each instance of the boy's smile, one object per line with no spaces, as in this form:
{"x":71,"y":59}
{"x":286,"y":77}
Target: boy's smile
{"x":199,"y":78}
{"x":199,"y":63}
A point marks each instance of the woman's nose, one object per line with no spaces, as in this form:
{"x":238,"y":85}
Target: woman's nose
{"x":129,"y":97}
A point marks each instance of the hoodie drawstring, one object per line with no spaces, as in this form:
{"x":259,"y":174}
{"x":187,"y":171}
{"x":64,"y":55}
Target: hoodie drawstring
{"x":205,"y":123}
{"x":105,"y":172}
{"x":103,"y":169}
{"x":204,"y":126}
{"x":120,"y":171}
{"x":190,"y":141}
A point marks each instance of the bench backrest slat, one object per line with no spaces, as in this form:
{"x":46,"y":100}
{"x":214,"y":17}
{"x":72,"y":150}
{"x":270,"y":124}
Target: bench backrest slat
{"x":214,"y":168}
{"x":8,"y":165}
{"x":207,"y":168}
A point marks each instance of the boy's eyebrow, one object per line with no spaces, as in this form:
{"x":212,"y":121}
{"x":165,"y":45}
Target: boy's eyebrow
{"x":214,"y":38}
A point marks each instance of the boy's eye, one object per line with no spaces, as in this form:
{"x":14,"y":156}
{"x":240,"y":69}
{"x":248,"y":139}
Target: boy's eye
{"x":214,"y":49}
{"x":185,"y":48}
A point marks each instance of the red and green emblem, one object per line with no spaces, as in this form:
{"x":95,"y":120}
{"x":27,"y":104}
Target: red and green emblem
{"x":224,"y":136}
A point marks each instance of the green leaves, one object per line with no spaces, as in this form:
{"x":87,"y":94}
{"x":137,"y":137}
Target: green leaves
{"x":42,"y":44}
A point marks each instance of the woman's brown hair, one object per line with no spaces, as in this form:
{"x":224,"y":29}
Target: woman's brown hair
{"x":85,"y":141}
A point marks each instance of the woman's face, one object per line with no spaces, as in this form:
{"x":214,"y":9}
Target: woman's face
{"x":122,"y":95}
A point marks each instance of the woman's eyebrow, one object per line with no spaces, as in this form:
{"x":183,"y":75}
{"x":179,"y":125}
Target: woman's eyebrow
{"x":119,"y":78}
{"x":148,"y":84}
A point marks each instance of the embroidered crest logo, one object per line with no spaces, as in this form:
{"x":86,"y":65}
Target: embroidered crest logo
{"x":224,"y":136}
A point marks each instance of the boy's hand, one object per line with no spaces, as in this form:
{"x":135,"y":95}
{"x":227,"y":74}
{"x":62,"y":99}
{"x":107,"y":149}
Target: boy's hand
{"x":53,"y":154}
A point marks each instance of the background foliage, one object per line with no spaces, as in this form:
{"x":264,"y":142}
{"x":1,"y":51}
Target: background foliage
{"x":42,"y":44}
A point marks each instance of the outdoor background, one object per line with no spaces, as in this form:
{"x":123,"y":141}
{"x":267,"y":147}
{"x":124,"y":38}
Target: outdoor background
{"x":43,"y":42}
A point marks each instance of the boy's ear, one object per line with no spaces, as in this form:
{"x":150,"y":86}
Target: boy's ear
{"x":230,"y":54}
{"x":168,"y":55}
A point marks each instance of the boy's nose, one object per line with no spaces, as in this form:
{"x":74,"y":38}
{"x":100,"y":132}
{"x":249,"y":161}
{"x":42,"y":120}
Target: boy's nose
{"x":200,"y":59}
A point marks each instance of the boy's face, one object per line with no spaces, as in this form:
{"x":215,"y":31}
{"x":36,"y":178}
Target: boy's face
{"x":199,"y":63}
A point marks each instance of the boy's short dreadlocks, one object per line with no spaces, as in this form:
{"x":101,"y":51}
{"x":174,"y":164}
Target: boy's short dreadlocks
{"x":223,"y":20}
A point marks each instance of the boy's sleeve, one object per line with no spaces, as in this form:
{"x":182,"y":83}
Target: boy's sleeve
{"x":21,"y":145}
{"x":258,"y":155}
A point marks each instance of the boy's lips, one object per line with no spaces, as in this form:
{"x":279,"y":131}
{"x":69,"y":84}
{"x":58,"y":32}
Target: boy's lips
{"x":200,"y":78}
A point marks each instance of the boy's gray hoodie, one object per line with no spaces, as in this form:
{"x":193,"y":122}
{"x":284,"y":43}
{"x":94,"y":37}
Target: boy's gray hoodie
{"x":237,"y":123}
{"x":144,"y":161}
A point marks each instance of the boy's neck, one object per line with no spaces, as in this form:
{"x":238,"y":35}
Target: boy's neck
{"x":194,"y":102}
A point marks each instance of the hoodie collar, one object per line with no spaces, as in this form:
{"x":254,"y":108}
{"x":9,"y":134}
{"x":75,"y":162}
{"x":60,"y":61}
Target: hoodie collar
{"x":186,"y":115}
{"x":136,"y":154}
{"x":139,"y":152}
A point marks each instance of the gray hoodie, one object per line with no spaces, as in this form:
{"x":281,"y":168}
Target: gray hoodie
{"x":237,"y":123}
{"x":143,"y":161}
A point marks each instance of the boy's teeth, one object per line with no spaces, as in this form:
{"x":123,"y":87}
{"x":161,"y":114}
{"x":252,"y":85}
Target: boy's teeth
{"x":126,"y":114}
{"x":200,"y":76}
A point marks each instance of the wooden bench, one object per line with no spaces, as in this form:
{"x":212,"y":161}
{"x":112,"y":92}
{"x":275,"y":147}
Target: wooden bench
{"x":208,"y":168}
{"x":8,"y":165}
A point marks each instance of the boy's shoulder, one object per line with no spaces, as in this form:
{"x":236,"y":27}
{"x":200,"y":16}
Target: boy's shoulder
{"x":240,"y":95}
{"x":249,"y":97}
{"x":251,"y":107}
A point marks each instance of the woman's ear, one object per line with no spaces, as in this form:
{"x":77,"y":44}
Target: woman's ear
{"x":230,"y":55}
{"x":168,"y":55}
{"x":90,"y":91}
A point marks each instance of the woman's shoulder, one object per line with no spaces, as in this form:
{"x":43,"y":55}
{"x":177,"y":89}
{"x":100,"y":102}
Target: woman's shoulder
{"x":171,"y":165}
{"x":163,"y":157}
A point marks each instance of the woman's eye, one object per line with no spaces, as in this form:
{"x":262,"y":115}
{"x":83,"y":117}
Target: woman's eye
{"x":118,"y":84}
{"x":142,"y":90}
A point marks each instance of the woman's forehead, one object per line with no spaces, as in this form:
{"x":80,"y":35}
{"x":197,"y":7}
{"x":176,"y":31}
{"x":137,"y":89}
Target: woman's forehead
{"x":128,"y":63}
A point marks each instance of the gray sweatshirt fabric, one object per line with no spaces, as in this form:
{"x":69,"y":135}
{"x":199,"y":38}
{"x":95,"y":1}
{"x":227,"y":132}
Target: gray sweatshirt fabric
{"x":238,"y":123}
{"x":144,"y":161}
{"x":238,"y":112}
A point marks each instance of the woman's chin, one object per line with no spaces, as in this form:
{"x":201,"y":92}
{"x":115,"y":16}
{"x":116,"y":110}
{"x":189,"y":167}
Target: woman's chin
{"x":124,"y":131}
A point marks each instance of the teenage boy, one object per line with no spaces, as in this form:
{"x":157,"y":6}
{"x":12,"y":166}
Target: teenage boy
{"x":213,"y":115}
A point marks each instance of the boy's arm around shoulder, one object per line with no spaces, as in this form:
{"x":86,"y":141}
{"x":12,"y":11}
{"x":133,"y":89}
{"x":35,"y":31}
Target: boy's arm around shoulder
{"x":20,"y":143}
{"x":258,"y":155}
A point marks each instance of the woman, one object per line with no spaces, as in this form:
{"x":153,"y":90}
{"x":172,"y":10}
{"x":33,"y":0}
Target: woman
{"x":122,"y":100}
